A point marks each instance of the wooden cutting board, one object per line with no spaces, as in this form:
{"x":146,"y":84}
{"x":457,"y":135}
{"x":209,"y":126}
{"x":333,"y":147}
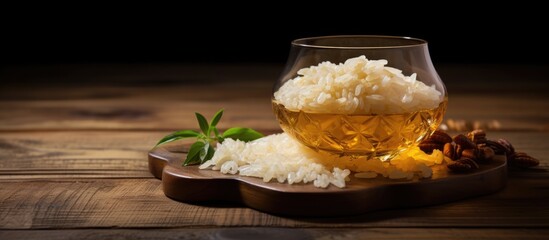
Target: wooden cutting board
{"x":192,"y":185}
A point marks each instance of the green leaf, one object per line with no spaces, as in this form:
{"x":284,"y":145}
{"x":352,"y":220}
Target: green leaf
{"x":204,"y":151}
{"x":216,"y":132}
{"x":193,"y":157}
{"x":218,"y":136}
{"x":214,"y":121}
{"x":216,"y":118}
{"x":203,"y":123}
{"x":210,"y":154}
{"x":242,"y":134}
{"x":177,"y":135}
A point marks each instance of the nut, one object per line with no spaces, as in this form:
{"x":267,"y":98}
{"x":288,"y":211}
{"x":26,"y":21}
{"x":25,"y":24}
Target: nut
{"x":523,"y":160}
{"x":459,"y":151}
{"x":428,"y":146}
{"x":463,"y":165}
{"x":458,"y":166}
{"x":473,"y":149}
{"x":450,"y":151}
{"x":471,"y":153}
{"x":464,"y":142}
{"x":485,"y":154}
{"x":496,"y":146}
{"x":440,"y":137}
{"x":469,"y":161}
{"x":477,"y":136}
{"x":509,"y":149}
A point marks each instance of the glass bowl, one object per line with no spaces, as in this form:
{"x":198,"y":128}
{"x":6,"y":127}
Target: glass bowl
{"x":370,"y":96}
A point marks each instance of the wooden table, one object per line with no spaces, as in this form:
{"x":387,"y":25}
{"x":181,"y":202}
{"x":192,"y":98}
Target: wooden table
{"x":74,"y":142}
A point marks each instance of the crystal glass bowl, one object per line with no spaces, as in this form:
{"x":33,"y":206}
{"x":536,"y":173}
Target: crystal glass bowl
{"x":362,"y":95}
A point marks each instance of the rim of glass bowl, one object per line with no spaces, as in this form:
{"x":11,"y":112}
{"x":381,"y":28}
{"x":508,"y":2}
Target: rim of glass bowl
{"x":399,"y":42}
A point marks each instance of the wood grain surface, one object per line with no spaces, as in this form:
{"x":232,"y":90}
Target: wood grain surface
{"x":136,"y":203}
{"x":193,"y":185}
{"x":134,"y":110}
{"x":74,"y":142}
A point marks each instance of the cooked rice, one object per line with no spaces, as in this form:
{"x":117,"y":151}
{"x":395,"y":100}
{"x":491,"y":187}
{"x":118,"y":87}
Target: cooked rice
{"x":358,"y":86}
{"x":281,"y":158}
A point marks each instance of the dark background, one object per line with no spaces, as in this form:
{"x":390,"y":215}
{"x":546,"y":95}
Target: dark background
{"x":458,"y":32}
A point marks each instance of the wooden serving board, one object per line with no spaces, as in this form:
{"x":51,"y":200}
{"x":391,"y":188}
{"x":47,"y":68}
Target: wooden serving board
{"x":192,"y":185}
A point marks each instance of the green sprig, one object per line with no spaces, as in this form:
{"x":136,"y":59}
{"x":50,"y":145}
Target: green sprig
{"x":202,"y":150}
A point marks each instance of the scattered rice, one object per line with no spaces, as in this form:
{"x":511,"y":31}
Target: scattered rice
{"x":275,"y":157}
{"x":357,"y":86}
{"x":280,"y":158}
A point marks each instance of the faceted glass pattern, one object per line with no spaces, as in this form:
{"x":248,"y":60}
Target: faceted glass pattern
{"x":360,"y":135}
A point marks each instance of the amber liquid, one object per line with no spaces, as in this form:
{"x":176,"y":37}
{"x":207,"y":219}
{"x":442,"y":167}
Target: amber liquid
{"x":370,"y":135}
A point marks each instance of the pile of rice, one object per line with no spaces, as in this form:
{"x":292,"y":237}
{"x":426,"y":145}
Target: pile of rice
{"x":280,"y":157}
{"x":357,"y":86}
{"x":277,"y":157}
